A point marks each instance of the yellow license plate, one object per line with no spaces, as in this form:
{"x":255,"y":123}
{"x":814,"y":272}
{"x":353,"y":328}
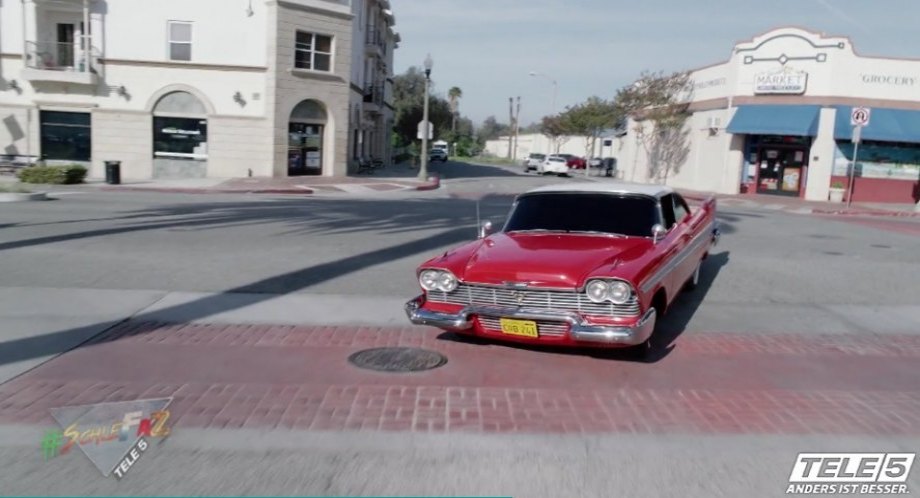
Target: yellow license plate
{"x":525,"y":328}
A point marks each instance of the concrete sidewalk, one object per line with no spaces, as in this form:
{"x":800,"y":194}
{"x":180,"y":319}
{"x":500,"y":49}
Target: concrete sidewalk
{"x":800,"y":206}
{"x":398,"y":177}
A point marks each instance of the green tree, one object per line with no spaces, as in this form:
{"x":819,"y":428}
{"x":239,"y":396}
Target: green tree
{"x":408,"y":101}
{"x":658,"y":103}
{"x":453,"y":96}
{"x":491,"y":129}
{"x":557,"y":129}
{"x":589,"y":119}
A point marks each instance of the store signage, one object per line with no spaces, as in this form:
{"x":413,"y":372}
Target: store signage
{"x":177,"y":131}
{"x":785,"y":81}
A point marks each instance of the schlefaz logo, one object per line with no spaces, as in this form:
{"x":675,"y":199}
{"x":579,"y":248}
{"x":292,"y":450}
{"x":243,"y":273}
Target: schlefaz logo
{"x":784,"y":81}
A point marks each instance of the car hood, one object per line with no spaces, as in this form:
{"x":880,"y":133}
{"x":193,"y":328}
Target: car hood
{"x":549,"y":259}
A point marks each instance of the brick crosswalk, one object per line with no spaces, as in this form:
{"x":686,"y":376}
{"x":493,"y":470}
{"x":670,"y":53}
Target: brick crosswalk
{"x":297,"y":377}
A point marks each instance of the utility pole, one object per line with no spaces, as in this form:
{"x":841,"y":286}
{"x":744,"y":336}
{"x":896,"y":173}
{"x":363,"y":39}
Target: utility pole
{"x":510,"y":125}
{"x":517,"y":126}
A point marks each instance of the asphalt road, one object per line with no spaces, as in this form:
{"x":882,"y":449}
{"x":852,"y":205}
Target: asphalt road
{"x":72,"y":267}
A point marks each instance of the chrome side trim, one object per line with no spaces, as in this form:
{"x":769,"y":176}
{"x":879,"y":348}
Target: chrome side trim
{"x":685,"y":252}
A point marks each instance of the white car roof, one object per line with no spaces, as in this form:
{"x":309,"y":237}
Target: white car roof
{"x":608,"y":187}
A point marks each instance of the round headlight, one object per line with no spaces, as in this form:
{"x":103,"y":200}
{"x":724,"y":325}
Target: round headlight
{"x":428,"y":279}
{"x":619,"y":292}
{"x":447,"y":282}
{"x":597,"y":291}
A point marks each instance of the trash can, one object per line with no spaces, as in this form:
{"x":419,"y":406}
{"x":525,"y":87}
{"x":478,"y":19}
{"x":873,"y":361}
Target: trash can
{"x":113,"y":172}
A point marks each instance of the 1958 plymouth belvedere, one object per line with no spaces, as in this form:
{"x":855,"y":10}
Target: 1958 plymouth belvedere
{"x":574,"y":265}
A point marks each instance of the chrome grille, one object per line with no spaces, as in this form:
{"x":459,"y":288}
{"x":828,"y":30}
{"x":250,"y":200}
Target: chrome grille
{"x":544,"y":328}
{"x":571,"y":301}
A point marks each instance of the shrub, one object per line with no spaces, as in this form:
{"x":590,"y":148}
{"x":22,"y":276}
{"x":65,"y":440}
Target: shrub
{"x":70,"y":174}
{"x":837,"y":184}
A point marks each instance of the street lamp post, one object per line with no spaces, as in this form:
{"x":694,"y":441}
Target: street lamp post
{"x":555,"y":89}
{"x":423,"y":171}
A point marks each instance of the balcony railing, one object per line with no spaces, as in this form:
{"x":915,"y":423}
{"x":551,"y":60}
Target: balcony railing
{"x":374,"y":40}
{"x":69,"y":57}
{"x":373,"y":94}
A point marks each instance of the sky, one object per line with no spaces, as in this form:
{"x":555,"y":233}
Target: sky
{"x":488,"y":48}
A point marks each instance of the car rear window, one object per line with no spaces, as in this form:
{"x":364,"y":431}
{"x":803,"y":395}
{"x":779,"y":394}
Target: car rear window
{"x":631,"y":215}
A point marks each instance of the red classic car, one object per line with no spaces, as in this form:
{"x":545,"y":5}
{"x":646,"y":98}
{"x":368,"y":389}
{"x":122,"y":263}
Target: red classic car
{"x":574,"y":265}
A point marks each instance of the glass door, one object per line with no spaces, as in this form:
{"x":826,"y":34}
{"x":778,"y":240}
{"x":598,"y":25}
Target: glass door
{"x":65,"y":45}
{"x":305,"y":149}
{"x":781,"y":170}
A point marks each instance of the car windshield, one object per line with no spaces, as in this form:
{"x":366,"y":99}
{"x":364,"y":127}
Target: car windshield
{"x":631,"y":215}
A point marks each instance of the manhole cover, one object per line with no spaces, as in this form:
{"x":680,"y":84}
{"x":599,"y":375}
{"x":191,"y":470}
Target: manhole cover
{"x":832,"y":253}
{"x":397,"y":359}
{"x":881,"y":246}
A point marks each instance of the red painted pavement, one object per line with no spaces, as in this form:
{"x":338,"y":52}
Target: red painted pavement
{"x":299,"y":377}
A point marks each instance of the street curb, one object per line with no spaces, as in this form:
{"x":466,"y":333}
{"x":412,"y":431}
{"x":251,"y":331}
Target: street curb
{"x":178,"y":190}
{"x":434,"y":183}
{"x":23,"y":196}
{"x":893,"y":214}
{"x":819,"y":211}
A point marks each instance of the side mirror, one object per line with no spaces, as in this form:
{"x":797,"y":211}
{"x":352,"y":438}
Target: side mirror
{"x":485,"y":229}
{"x":658,"y":232}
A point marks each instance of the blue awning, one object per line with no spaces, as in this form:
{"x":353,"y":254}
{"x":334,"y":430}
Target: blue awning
{"x":885,"y":125}
{"x":798,"y":120}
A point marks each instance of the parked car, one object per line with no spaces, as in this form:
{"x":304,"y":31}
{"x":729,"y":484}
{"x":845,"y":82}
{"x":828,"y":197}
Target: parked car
{"x":575,"y":265}
{"x":574,"y":161}
{"x":553,"y":164}
{"x":437,"y":155}
{"x":533,"y":161}
{"x":607,"y":164}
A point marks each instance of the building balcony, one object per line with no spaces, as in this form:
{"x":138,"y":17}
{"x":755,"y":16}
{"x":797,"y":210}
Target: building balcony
{"x":61,"y":62}
{"x":373,"y":99}
{"x":374,"y":45}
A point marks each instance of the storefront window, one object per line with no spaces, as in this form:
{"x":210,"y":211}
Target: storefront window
{"x":180,"y":137}
{"x":891,"y":160}
{"x":66,"y":135}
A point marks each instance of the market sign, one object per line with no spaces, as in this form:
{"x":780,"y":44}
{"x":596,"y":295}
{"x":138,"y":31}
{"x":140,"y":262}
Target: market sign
{"x":785,"y":81}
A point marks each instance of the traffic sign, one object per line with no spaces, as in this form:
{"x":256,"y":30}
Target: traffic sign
{"x":860,"y":116}
{"x":421,"y":133}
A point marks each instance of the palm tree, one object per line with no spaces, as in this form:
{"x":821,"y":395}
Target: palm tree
{"x":453,"y":96}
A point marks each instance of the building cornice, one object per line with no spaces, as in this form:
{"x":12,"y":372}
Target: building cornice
{"x":314,"y":8}
{"x":47,"y":104}
{"x":318,"y":75}
{"x":825,"y":101}
{"x":183,"y":65}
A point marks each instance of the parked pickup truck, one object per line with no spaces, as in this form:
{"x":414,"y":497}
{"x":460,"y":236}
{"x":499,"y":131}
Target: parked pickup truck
{"x":592,"y":264}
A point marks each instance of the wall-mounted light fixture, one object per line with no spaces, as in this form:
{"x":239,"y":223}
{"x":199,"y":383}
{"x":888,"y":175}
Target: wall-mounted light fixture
{"x":238,"y":98}
{"x":122,"y":91}
{"x":249,"y":11}
{"x":14,"y":85}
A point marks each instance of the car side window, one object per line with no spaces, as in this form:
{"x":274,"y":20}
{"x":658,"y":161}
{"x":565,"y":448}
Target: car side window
{"x":681,"y":210}
{"x":667,"y":211}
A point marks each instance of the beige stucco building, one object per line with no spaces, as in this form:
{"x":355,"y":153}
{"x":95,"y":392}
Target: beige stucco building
{"x":210,"y":88}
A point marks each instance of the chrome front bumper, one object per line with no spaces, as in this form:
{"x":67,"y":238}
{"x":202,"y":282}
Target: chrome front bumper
{"x":579,"y":329}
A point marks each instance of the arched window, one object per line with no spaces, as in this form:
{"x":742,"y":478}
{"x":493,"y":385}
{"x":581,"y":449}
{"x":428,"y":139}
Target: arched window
{"x":180,"y":127}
